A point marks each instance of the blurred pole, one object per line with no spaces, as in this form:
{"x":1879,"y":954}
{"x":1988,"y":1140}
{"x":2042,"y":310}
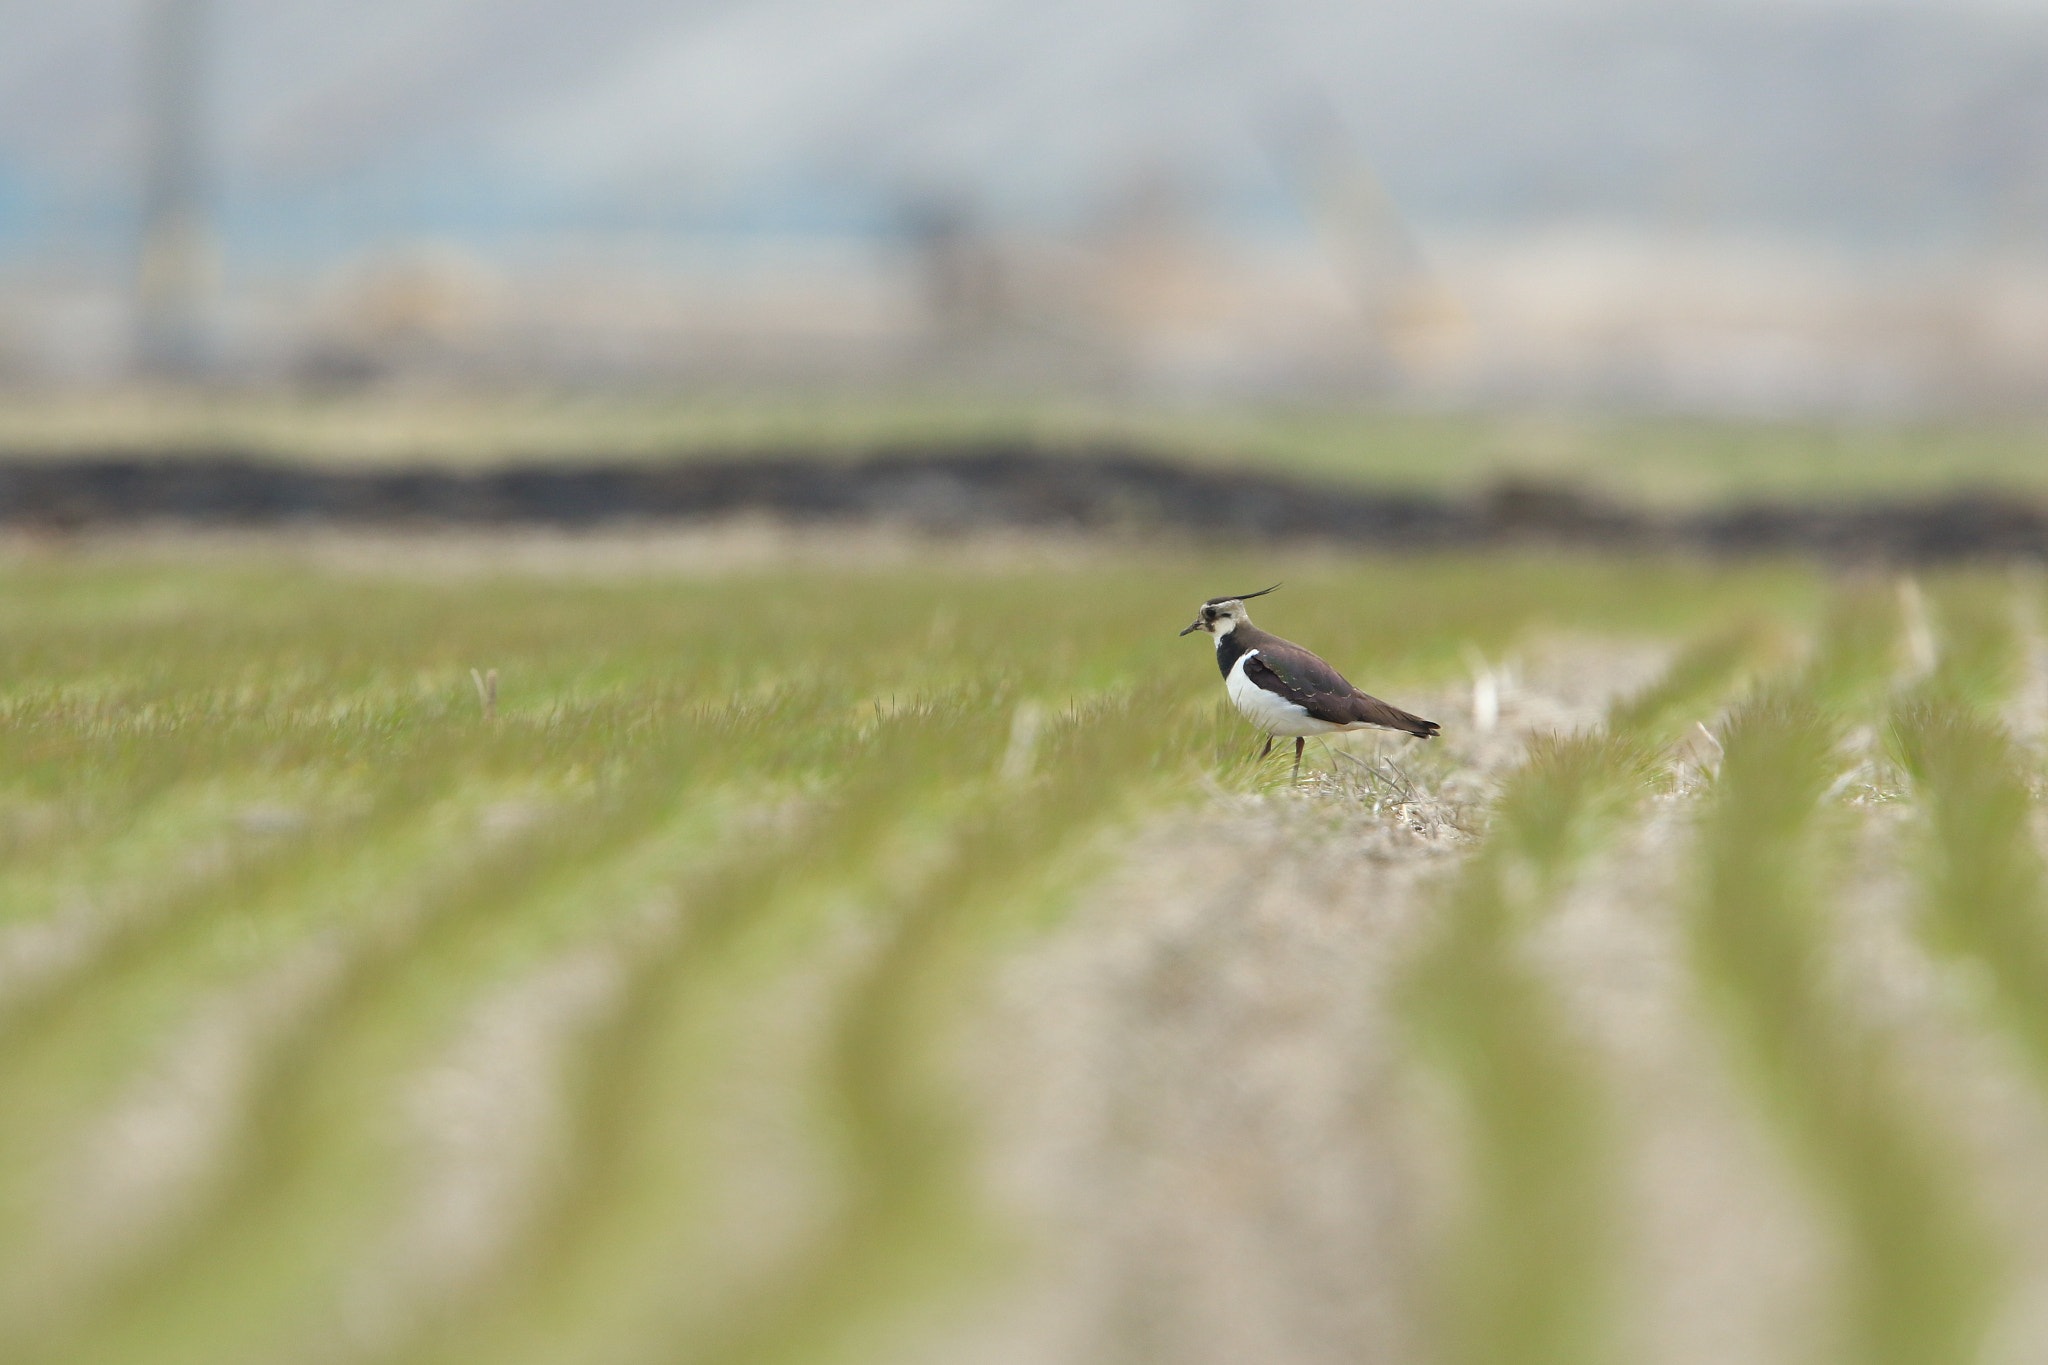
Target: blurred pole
{"x":175,"y":256}
{"x":1416,"y":327}
{"x":958,"y":269}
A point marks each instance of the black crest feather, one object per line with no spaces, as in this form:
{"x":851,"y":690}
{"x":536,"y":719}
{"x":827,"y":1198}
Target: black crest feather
{"x":1238,"y":596}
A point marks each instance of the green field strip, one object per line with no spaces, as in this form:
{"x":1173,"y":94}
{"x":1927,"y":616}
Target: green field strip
{"x":1859,"y":654}
{"x":74,"y":1034}
{"x":75,"y":1061}
{"x":239,"y":910}
{"x":773,"y":721}
{"x":1983,"y":884}
{"x":198,"y":841}
{"x":103,"y":873}
{"x":912,"y":1229}
{"x":596,"y":1274}
{"x":404,"y":770}
{"x":1984,"y":894}
{"x":63,"y":1055}
{"x":602,"y":1278}
{"x":303,"y":1162}
{"x":91,"y":783}
{"x":1531,"y":1278}
{"x":1918,"y":1271}
{"x":111,"y":637}
{"x":1980,"y":656}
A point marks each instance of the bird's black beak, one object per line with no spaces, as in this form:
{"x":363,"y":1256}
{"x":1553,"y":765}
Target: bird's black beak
{"x":1195,"y":627}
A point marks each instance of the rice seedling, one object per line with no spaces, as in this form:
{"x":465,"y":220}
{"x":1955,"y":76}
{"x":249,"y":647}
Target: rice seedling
{"x":1531,"y":1274}
{"x":1982,"y":880}
{"x":1917,"y":1274}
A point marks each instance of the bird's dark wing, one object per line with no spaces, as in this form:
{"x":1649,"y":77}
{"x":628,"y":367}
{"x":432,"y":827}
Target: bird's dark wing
{"x":1291,"y":672}
{"x":1301,"y":672}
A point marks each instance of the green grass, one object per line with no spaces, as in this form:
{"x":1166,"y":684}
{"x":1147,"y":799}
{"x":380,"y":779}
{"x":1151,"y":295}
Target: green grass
{"x":265,"y":856}
{"x":1918,"y":1277}
{"x":1530,"y":1280}
{"x":1984,"y":889}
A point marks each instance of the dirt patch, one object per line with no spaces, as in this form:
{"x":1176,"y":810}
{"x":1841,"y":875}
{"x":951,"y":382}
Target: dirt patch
{"x":984,"y":487}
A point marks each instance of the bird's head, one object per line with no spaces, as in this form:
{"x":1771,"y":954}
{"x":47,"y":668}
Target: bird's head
{"x":1221,"y":615}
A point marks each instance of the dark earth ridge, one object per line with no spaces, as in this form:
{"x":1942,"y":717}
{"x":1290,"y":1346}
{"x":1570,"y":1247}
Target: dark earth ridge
{"x":989,"y":486}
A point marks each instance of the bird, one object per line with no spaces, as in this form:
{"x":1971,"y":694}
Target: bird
{"x":1283,"y":689}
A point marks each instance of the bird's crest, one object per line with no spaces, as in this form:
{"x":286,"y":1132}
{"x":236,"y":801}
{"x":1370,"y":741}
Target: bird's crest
{"x":1238,"y":596}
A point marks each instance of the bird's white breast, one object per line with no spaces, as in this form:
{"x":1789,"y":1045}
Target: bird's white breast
{"x":1274,"y":714}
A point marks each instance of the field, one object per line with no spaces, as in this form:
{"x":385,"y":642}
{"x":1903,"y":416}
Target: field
{"x":841,"y":951}
{"x":1666,"y":462}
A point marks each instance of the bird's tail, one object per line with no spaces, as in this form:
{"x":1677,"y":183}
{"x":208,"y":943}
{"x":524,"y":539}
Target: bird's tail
{"x":1373,"y":711}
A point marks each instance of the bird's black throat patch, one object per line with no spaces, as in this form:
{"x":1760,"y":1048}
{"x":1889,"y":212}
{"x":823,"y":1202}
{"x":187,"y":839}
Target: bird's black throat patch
{"x":1229,"y":649}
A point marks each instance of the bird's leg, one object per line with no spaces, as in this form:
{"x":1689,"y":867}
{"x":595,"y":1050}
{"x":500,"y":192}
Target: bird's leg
{"x":1298,"y":742}
{"x":1267,"y":750}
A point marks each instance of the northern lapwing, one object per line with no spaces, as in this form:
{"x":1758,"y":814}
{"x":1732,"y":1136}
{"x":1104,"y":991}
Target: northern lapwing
{"x":1285,"y":690}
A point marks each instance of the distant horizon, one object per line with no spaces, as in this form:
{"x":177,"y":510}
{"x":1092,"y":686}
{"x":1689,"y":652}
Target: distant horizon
{"x":1716,"y":203}
{"x":1907,"y":119}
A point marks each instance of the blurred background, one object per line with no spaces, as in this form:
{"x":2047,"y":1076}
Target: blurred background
{"x":1721,"y":207}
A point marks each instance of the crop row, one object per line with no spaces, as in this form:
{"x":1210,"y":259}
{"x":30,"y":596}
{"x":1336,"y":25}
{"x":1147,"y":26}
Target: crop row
{"x":340,"y":1021}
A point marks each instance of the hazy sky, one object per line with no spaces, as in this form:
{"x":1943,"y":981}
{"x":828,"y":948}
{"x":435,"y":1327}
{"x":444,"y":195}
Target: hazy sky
{"x":1909,"y":116}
